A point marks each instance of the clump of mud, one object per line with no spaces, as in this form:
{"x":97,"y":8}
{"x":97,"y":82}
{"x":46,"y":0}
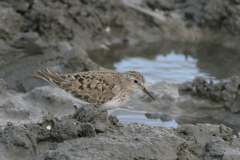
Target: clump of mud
{"x":226,"y":92}
{"x":87,"y":121}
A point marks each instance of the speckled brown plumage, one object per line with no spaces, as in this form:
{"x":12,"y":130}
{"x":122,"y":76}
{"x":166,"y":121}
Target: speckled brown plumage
{"x":98,"y":86}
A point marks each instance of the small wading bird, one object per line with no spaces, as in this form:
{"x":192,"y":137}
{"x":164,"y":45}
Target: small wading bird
{"x":109,"y":89}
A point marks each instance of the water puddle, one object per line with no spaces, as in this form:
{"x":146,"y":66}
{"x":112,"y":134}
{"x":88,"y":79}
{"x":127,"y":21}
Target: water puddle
{"x":143,"y":119}
{"x":130,"y":116}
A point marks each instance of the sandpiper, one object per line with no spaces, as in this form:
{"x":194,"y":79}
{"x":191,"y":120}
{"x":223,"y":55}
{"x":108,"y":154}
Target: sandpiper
{"x":109,"y":89}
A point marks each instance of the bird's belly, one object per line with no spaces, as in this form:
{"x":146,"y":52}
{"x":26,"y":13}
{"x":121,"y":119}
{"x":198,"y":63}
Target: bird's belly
{"x":111,"y":105}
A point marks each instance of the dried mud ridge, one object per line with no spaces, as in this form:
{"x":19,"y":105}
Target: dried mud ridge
{"x":90,"y":134}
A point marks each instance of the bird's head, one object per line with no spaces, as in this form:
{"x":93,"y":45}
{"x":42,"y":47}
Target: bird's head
{"x":136,"y":81}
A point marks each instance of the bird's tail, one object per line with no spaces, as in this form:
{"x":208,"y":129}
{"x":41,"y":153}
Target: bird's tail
{"x":50,"y":76}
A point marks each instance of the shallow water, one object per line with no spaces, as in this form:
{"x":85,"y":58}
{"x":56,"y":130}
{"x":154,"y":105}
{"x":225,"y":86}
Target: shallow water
{"x":142,"y":119}
{"x":129,"y":116}
{"x":171,"y":62}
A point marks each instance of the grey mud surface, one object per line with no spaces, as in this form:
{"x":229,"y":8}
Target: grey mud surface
{"x":90,"y":134}
{"x":41,"y":123}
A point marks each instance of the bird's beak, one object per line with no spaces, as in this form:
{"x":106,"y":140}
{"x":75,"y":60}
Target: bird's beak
{"x":146,"y":91}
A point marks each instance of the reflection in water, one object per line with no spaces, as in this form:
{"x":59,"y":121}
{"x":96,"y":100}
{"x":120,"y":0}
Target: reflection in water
{"x":162,"y":116}
{"x":143,"y":119}
{"x":219,"y":61}
{"x":153,"y":119}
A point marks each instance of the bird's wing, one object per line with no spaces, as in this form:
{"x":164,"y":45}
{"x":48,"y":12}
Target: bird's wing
{"x":92,"y":87}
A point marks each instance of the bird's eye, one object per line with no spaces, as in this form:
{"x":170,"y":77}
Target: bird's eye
{"x":135,"y":81}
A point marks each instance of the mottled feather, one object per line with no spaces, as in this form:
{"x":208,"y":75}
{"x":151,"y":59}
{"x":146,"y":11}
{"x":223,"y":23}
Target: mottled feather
{"x":92,"y":87}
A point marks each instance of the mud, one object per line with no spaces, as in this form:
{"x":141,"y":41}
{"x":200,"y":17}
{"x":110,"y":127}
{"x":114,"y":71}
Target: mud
{"x":89,"y":134}
{"x":225,"y":93}
{"x":84,"y":123}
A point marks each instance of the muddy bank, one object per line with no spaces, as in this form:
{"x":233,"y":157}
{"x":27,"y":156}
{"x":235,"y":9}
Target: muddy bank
{"x":225,"y":93}
{"x":89,"y":134}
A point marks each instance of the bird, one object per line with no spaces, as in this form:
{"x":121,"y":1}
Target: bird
{"x":109,"y":89}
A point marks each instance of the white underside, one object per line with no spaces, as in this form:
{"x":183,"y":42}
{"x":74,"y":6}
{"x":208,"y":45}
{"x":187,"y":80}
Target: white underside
{"x":111,"y":105}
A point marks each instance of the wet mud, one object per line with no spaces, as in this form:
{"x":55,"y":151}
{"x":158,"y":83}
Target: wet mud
{"x":90,"y":134}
